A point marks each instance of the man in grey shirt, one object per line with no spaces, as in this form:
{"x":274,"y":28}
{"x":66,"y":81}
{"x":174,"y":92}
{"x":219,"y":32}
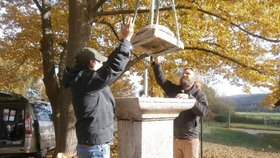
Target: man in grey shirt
{"x":186,"y":142}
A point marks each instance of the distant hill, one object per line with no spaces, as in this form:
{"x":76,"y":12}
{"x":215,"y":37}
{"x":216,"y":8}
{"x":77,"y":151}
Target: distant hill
{"x":248,"y":102}
{"x":246,"y":99}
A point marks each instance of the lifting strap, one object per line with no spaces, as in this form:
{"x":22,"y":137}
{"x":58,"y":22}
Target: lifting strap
{"x":157,"y":13}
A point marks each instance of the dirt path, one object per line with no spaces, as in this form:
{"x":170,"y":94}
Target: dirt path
{"x":212,"y":150}
{"x":255,"y":131}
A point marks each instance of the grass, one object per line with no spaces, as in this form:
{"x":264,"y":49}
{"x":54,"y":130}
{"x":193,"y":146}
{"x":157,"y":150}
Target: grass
{"x":230,"y":137}
{"x":260,"y":115}
{"x":241,"y":125}
{"x":254,"y":126}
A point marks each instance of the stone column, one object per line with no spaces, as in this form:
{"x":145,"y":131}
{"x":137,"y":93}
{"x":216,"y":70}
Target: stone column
{"x":145,"y":126}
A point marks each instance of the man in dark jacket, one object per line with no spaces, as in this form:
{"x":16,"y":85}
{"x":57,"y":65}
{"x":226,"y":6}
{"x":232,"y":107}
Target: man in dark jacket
{"x":92,"y":99}
{"x":186,"y":142}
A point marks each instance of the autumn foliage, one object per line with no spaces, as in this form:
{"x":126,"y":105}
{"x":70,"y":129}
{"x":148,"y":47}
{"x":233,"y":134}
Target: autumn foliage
{"x":238,"y":40}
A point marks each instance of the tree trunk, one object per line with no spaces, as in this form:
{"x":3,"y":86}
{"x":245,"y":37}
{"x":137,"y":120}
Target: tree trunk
{"x":50,"y":78}
{"x":79,"y":29}
{"x":79,"y":32}
{"x":66,"y":136}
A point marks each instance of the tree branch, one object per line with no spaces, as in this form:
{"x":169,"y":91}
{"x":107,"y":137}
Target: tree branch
{"x":238,"y":26}
{"x":38,"y":5}
{"x":99,"y":4}
{"x":19,"y":64}
{"x":135,"y":60}
{"x":108,"y":24}
{"x":110,"y":13}
{"x":120,"y":12}
{"x":277,"y":103}
{"x":131,"y":63}
{"x":226,"y":57}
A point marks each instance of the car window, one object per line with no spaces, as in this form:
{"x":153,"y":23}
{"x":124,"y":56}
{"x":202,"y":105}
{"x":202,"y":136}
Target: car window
{"x":12,"y":115}
{"x":6,"y":113}
{"x":42,"y":112}
{"x":9,"y":115}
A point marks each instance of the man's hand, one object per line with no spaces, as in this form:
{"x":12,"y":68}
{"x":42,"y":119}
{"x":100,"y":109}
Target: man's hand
{"x":157,"y":59}
{"x":182,"y":96}
{"x":154,"y":59}
{"x":127,"y":29}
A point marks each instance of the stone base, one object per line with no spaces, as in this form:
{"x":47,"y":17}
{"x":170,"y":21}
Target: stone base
{"x":145,"y":139}
{"x":145,"y":125}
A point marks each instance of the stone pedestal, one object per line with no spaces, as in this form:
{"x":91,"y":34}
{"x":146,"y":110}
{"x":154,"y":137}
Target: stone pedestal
{"x":145,"y":126}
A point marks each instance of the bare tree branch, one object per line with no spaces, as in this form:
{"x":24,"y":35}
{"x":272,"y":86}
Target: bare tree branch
{"x":226,"y":57}
{"x":110,"y":13}
{"x":38,"y":5}
{"x":119,"y":12}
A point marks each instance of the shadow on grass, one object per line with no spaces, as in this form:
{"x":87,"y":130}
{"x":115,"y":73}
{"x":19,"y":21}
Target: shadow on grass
{"x":230,"y":137}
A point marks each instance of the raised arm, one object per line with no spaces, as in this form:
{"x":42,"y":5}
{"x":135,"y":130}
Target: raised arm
{"x":168,"y":87}
{"x":116,"y":62}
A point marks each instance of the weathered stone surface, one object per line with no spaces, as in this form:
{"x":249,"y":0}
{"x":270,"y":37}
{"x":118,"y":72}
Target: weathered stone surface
{"x":141,"y":108}
{"x":156,"y":39}
{"x":148,"y":139}
{"x":145,"y":126}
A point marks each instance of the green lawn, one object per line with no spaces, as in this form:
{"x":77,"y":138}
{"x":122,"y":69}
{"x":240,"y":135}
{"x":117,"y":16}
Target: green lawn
{"x":260,"y":115}
{"x":227,"y":136}
{"x":254,"y":126}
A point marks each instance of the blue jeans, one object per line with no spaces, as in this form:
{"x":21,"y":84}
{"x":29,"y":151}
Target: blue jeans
{"x":96,"y":151}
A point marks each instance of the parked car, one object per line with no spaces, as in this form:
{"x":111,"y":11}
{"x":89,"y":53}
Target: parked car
{"x":26,"y":126}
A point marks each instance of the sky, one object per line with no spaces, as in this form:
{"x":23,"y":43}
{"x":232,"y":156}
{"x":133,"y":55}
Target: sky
{"x":222,"y":87}
{"x":226,"y":89}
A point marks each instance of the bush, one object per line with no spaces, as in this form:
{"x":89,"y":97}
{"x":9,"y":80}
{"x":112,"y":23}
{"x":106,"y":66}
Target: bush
{"x":220,"y":118}
{"x":243,"y":119}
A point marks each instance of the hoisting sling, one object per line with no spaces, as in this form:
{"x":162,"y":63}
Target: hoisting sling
{"x":154,"y":38}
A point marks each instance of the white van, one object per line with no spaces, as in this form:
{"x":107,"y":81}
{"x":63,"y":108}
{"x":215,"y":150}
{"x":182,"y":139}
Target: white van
{"x":26,"y":127}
